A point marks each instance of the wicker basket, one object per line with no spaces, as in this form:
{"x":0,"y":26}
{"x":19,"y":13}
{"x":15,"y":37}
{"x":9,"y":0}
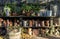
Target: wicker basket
{"x":13,"y":35}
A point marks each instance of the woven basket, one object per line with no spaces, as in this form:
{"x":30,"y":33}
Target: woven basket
{"x":14,"y":35}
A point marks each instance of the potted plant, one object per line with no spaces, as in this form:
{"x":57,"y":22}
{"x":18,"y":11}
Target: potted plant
{"x":36,"y":9}
{"x":23,"y":12}
{"x":7,"y":10}
{"x":27,"y":9}
{"x":18,"y":10}
{"x":13,"y":9}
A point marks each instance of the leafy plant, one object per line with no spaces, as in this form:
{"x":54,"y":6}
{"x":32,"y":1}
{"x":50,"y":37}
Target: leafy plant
{"x":36,"y":8}
{"x":13,"y":6}
{"x":27,"y":8}
{"x":18,"y":10}
{"x":6,"y":7}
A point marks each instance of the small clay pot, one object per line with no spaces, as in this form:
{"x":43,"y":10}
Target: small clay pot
{"x":14,"y":14}
{"x":28,"y":14}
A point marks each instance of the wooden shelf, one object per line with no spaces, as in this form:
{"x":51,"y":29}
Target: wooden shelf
{"x":45,"y":27}
{"x":33,"y":16}
{"x":27,"y":17}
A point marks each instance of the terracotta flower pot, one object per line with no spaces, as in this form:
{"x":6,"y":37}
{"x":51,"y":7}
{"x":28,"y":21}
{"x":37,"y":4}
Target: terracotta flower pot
{"x":27,"y":13}
{"x":14,"y":14}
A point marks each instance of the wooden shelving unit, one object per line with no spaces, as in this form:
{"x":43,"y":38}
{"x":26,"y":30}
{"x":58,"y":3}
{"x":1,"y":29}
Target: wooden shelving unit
{"x":35,"y":18}
{"x":41,"y":18}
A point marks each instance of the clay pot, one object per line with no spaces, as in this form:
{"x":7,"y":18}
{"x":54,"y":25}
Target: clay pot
{"x":28,"y":14}
{"x":14,"y":14}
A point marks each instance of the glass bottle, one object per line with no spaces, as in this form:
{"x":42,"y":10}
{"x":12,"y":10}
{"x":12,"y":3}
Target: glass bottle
{"x":30,"y":31}
{"x":42,"y":32}
{"x":42,"y":23}
{"x":36,"y":23}
{"x":5,"y":23}
{"x":15,"y":25}
{"x":30,"y":23}
{"x":18,"y":23}
{"x":55,"y":9}
{"x":25,"y":23}
{"x":47,"y":23}
{"x":10,"y":26}
{"x":39,"y":24}
{"x":0,"y":23}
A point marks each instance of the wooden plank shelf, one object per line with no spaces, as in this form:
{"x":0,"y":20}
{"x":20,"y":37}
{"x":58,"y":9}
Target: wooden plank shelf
{"x":45,"y":27}
{"x":30,"y":16}
{"x":27,"y":17}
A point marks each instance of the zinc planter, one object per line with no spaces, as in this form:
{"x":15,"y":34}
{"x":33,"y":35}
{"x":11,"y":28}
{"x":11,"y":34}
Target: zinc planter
{"x":49,"y":13}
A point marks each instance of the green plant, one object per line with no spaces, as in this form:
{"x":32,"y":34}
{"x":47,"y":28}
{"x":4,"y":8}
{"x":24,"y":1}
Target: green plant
{"x":36,"y":8}
{"x":4,"y":14}
{"x":28,"y":7}
{"x":18,"y":10}
{"x":25,"y":7}
{"x":7,"y":10}
{"x":13,"y":6}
